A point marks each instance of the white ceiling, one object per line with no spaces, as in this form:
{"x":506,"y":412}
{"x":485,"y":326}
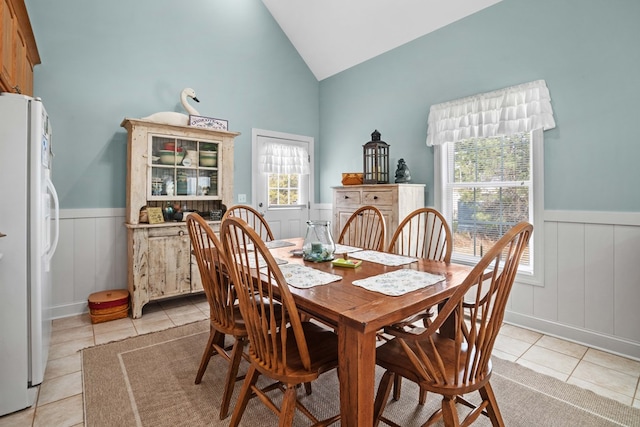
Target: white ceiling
{"x":333,"y":35}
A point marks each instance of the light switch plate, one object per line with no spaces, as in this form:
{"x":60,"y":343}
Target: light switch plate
{"x":242,"y":198}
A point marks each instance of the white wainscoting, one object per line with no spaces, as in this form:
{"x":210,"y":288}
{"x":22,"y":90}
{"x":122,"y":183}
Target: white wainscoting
{"x":91,"y":257}
{"x":591,"y":288}
{"x":322,"y":212}
{"x":590,"y":294}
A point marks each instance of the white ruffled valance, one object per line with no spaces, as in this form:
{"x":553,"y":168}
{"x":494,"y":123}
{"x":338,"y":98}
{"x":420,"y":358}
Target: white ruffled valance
{"x":515,"y":109}
{"x":286,"y":159}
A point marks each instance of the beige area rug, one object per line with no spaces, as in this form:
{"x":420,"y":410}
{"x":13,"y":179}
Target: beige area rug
{"x":149,"y":381}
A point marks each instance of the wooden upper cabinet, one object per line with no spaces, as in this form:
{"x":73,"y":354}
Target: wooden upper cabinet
{"x":7,"y":18}
{"x":18,"y":50}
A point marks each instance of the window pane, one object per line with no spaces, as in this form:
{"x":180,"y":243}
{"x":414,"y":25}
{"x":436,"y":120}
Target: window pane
{"x":490,"y":188}
{"x":273,"y":197}
{"x":482,"y":215}
{"x":293,"y":197}
{"x":492,"y":159}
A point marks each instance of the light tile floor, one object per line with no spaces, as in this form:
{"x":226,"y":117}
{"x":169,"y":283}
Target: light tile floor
{"x":60,"y":401}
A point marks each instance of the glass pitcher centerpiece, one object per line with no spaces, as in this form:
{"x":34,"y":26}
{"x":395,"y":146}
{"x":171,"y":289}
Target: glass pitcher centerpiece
{"x":318,"y":244}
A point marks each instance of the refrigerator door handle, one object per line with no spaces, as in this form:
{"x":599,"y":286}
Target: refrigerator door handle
{"x":56,"y":208}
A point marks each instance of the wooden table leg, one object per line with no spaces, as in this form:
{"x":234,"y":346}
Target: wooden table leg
{"x":357,"y":359}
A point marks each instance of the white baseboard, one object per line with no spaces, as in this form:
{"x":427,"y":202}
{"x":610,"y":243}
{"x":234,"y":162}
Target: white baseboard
{"x":68,"y":310}
{"x":592,"y":339}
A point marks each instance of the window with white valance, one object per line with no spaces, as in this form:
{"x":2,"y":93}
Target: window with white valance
{"x":489,"y":168}
{"x":516,"y":109}
{"x":284,"y":159}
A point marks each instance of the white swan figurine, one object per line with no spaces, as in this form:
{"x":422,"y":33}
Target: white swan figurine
{"x":173,"y":118}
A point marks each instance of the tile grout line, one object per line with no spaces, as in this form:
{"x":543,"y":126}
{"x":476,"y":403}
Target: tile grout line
{"x":577,"y":364}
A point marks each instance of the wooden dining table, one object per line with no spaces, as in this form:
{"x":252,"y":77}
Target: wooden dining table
{"x":358,"y":314}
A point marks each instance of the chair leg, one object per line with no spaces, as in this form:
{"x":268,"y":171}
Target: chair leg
{"x":449,"y":411}
{"x":423,"y":396}
{"x":208,"y":353}
{"x":245,"y":395}
{"x":288,"y":408}
{"x":382,"y":396}
{"x":232,"y":376}
{"x":307,"y":388}
{"x":397,"y":387}
{"x":492,"y":409}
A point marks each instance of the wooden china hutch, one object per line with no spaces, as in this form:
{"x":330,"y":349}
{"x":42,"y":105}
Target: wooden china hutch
{"x":174,"y":169}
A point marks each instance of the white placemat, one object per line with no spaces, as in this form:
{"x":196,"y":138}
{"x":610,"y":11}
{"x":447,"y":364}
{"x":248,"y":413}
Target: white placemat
{"x":340,"y":249}
{"x":278,"y":244}
{"x":301,"y":276}
{"x":384,"y":258}
{"x":399,"y":282}
{"x":261,"y":262}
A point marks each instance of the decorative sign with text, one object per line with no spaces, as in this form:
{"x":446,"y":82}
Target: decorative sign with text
{"x":155,"y":215}
{"x":208,"y":122}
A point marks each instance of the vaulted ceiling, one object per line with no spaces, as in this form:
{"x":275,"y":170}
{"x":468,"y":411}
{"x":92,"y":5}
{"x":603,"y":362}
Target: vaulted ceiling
{"x":334,"y":35}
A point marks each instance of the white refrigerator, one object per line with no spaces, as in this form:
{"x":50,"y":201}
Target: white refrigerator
{"x":29,"y":223}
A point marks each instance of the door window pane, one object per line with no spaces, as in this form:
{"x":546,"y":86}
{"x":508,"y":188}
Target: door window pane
{"x":283,"y":189}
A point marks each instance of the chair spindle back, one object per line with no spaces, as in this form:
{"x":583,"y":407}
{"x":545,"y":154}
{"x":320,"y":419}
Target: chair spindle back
{"x":364,"y":229}
{"x":252,"y":217}
{"x":478,"y":307}
{"x":212,"y":264}
{"x":260,"y":290}
{"x":424,"y":233}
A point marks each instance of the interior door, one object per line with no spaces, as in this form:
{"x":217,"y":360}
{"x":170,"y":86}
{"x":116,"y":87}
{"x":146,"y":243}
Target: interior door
{"x":283,"y":199}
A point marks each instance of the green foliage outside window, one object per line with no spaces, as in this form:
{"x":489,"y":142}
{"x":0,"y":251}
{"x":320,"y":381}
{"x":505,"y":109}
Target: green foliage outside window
{"x":491,"y":187}
{"x":284,"y":189}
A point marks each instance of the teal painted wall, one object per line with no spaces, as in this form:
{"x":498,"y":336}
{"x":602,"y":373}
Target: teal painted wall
{"x":103,"y":61}
{"x":586,"y":50}
{"x":106,"y":60}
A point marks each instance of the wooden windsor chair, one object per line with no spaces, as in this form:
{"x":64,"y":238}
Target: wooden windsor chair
{"x":364,"y":229}
{"x":252,"y":217}
{"x":424,"y":233}
{"x":224,"y":314}
{"x":452,"y":356}
{"x":287,"y":350}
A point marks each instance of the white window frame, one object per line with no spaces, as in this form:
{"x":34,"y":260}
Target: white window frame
{"x":532,"y":276}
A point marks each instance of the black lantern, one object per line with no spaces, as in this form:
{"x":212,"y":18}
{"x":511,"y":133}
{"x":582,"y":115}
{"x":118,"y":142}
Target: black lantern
{"x":376,"y":160}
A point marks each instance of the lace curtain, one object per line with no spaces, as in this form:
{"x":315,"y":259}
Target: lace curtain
{"x":286,"y":159}
{"x":515,"y":109}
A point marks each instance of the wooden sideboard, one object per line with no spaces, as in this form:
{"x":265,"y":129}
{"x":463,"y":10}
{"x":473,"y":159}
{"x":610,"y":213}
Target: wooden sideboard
{"x":395,"y":201}
{"x":18,"y":50}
